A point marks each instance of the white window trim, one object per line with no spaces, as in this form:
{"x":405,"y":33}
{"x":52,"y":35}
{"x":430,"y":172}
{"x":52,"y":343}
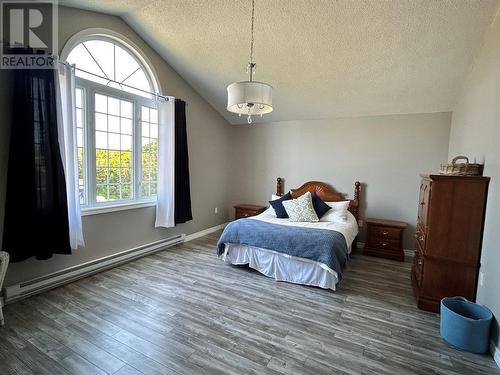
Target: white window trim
{"x":87,"y":211}
{"x":90,"y":89}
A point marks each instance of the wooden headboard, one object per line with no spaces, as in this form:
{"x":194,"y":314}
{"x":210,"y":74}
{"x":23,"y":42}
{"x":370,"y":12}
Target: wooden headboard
{"x":325,"y":192}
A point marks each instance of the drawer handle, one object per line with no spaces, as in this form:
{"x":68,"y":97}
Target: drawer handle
{"x":385,"y":233}
{"x":383,"y":243}
{"x":420,"y":262}
{"x":246,"y":215}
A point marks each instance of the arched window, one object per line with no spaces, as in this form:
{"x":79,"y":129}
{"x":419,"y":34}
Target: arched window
{"x":117,"y":122}
{"x":108,"y":63}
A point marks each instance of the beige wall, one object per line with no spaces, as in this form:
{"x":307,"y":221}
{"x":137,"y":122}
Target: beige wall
{"x":385,"y":153}
{"x":475,"y":132}
{"x":208,"y":144}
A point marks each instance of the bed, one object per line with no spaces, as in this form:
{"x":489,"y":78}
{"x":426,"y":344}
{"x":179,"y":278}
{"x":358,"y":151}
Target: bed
{"x":308,"y":253}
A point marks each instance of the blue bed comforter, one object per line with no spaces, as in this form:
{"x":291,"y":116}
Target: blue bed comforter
{"x":321,"y":245}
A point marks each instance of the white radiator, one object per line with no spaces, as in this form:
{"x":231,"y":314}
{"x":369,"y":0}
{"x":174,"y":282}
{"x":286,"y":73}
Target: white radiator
{"x":27,"y":288}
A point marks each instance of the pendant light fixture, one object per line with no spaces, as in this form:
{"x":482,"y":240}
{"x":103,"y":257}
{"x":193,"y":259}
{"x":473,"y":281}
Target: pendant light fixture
{"x":250,"y":98}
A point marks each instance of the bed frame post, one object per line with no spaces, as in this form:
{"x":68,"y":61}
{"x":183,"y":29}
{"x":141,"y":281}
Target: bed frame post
{"x":279,"y":187}
{"x":357,"y":194}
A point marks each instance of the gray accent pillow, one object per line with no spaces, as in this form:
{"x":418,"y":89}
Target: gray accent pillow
{"x":301,"y":209}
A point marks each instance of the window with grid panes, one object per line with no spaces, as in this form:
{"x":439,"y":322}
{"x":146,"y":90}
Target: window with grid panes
{"x":116,"y":125}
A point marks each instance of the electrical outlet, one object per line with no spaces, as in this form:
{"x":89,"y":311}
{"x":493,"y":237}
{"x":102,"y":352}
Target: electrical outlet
{"x":481,"y":278}
{"x":360,"y":223}
{"x":216,"y":210}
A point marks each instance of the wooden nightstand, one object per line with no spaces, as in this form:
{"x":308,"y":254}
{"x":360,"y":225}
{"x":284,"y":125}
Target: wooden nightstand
{"x":247,"y":210}
{"x":384,"y":239}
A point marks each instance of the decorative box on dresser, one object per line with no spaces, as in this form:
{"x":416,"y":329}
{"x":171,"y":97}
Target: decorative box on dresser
{"x":448,"y":238}
{"x":384,"y":238}
{"x":247,"y":210}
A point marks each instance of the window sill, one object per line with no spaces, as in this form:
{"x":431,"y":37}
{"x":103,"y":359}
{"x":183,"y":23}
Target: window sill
{"x":116,"y":207}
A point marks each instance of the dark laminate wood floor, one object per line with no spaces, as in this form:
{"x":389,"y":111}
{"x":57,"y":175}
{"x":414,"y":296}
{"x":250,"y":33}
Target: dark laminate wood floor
{"x":184,"y":311}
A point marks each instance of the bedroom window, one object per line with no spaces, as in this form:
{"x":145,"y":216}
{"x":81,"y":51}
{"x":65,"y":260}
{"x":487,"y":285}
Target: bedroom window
{"x":116,"y":125}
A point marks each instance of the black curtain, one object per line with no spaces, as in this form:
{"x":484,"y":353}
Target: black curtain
{"x":182,"y":191}
{"x":36,"y":214}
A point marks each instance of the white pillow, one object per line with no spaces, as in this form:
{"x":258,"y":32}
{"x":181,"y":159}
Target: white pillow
{"x":301,"y":209}
{"x":335,"y":217}
{"x":339,"y":206}
{"x":338,"y":213}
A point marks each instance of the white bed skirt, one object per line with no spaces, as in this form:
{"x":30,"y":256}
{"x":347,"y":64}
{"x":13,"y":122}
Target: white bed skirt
{"x":281,"y":267}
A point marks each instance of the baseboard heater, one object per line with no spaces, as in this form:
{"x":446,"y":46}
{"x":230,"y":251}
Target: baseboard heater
{"x":53,"y":280}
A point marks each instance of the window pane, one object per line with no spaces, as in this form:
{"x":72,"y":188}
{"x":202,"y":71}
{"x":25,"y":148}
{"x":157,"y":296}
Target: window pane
{"x":145,"y":114}
{"x":79,"y":117}
{"x":78,"y":97}
{"x":114,"y":150}
{"x":101,"y":175}
{"x":81,"y":145}
{"x":110,"y":65}
{"x":126,"y":109}
{"x":114,"y":141}
{"x":103,"y":53}
{"x":145,"y":129}
{"x":126,"y":142}
{"x":101,"y":103}
{"x":101,"y":140}
{"x":153,"y":113}
{"x":114,"y":124}
{"x":101,"y":122}
{"x":102,"y":193}
{"x":126,"y":126}
{"x":114,"y":175}
{"x":114,"y":106}
{"x":101,"y":157}
{"x":149,"y":152}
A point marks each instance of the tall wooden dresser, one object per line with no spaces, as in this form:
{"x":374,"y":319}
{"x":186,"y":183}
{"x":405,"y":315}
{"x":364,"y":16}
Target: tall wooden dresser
{"x":448,"y":238}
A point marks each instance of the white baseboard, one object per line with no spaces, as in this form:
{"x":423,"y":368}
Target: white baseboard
{"x":204,"y":232}
{"x":65,"y":276}
{"x":495,"y":352}
{"x":22,"y":290}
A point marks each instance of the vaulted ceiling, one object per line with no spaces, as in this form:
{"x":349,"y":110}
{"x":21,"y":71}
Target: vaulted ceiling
{"x":324,"y":58}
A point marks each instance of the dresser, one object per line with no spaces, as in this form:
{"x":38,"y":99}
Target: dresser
{"x":247,"y":210}
{"x":448,"y":237}
{"x":384,"y":239}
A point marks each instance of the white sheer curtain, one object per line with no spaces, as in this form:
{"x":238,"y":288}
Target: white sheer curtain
{"x":66,"y":128}
{"x":166,"y":155}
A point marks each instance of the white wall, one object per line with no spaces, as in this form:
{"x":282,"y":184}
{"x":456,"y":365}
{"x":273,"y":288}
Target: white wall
{"x":475,"y":132}
{"x":385,"y":153}
{"x":105,"y":234}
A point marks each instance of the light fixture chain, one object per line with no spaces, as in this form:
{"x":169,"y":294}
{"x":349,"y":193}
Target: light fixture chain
{"x":251,"y":41}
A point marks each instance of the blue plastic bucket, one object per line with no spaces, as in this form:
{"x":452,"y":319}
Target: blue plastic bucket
{"x":465,"y":325}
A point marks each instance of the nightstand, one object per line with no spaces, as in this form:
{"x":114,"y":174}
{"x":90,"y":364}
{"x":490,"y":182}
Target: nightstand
{"x":247,"y":210}
{"x":384,"y":239}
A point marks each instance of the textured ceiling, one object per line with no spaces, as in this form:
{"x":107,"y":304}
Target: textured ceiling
{"x":324,"y":58}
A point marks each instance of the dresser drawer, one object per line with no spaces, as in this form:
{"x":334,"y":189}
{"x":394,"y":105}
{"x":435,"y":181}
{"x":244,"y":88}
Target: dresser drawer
{"x":384,"y":244}
{"x":384,"y":232}
{"x":247,"y":210}
{"x":244,"y":213}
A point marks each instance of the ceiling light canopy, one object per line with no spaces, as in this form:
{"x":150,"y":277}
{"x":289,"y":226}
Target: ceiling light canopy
{"x":250,"y":98}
